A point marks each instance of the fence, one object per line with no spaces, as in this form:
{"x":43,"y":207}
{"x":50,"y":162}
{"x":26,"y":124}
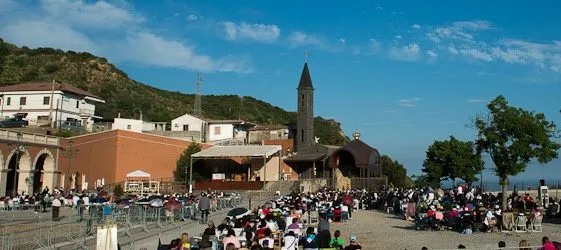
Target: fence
{"x":18,"y":232}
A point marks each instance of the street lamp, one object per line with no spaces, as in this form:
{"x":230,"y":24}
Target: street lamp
{"x":69,"y":153}
{"x":19,"y":148}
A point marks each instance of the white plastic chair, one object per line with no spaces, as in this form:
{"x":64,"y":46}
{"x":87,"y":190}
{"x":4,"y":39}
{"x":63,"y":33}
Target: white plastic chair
{"x":520,"y":226}
{"x":537,"y":224}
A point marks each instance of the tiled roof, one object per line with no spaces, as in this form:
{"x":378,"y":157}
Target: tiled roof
{"x":268,"y":127}
{"x":47,"y":86}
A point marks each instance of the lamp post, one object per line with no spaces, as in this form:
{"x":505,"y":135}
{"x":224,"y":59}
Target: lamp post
{"x":70,"y":153}
{"x":18,"y":150}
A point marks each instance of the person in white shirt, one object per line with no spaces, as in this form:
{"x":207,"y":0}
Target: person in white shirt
{"x":268,"y":242}
{"x":56,"y":208}
{"x":290,"y":241}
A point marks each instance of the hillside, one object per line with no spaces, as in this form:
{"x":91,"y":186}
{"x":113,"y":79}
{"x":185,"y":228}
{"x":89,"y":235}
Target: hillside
{"x":129,"y":97}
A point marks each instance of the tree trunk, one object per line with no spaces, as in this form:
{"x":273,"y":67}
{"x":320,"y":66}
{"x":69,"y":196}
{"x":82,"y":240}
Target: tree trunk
{"x":504,"y":187}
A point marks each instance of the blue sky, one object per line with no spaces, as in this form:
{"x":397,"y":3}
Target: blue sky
{"x":403,"y":73}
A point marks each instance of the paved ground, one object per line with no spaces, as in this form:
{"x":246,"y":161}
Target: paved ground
{"x":377,"y":230}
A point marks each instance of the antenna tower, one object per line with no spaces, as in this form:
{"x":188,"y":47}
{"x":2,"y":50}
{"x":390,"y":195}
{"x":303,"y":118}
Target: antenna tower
{"x":197,"y":111}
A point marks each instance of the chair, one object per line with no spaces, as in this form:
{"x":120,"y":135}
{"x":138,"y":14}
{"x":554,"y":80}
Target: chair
{"x":537,"y":224}
{"x":508,"y":221}
{"x":520,"y":225}
{"x":314,"y":217}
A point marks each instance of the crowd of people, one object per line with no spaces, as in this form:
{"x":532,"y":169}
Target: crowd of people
{"x":463,"y":209}
{"x":294,"y":221}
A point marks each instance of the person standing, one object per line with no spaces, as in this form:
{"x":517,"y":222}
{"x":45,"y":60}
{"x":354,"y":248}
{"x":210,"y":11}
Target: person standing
{"x":204,"y":206}
{"x":56,"y":208}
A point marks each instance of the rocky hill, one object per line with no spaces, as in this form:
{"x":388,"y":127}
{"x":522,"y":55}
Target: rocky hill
{"x":128,"y":97}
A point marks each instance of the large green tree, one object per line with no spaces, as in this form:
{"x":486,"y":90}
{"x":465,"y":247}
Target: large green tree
{"x":395,"y":171}
{"x":183,"y":162}
{"x":452,"y":159}
{"x":513,"y":137}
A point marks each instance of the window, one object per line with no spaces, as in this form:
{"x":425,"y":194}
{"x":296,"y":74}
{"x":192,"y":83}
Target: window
{"x":302,"y":135}
{"x":129,"y":126}
{"x":22,"y":100}
{"x":8,"y":101}
{"x":77,"y":103}
{"x":46,"y":100}
{"x":216,"y":130}
{"x":185,"y":127}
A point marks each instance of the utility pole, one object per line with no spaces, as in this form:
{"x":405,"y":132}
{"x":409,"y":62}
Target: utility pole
{"x":51,"y":104}
{"x":69,"y":153}
{"x":198,"y":105}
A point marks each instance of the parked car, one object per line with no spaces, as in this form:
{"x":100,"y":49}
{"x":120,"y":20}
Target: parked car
{"x":72,"y":125}
{"x":13,"y":123}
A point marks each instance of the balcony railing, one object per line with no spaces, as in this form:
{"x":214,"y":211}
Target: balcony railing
{"x":30,"y":138}
{"x":88,"y":112}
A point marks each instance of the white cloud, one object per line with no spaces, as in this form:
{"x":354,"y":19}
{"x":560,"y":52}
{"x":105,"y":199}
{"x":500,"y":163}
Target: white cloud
{"x":149,"y":49}
{"x":266,"y":33}
{"x":409,"y":102}
{"x":66,"y":24}
{"x":343,"y":41}
{"x":298,"y":38}
{"x":463,"y":30}
{"x":374,"y":44}
{"x":432,"y":54}
{"x":416,"y":26}
{"x":398,"y":37}
{"x":42,"y":34}
{"x":192,"y":17}
{"x":98,"y":15}
{"x":453,"y":49}
{"x":477,"y":54}
{"x":411,"y":52}
{"x":476,"y":100}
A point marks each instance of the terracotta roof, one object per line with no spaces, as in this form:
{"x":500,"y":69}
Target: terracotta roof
{"x":47,"y":86}
{"x":268,"y":127}
{"x":305,"y":79}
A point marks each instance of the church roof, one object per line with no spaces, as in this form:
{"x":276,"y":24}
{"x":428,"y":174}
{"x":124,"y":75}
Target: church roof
{"x":305,"y":78}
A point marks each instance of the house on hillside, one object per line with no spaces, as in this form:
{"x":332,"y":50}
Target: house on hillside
{"x":213,"y":131}
{"x":137,"y":125}
{"x":260,"y":133}
{"x":49,"y":102}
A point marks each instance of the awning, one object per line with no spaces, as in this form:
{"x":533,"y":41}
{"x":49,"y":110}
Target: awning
{"x":305,"y":157}
{"x":138,"y":174}
{"x":238,"y":151}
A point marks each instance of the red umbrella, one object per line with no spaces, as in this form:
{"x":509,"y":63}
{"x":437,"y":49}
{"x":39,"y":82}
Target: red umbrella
{"x":172,"y":204}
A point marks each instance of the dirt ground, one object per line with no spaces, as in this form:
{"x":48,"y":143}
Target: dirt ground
{"x":377,"y":230}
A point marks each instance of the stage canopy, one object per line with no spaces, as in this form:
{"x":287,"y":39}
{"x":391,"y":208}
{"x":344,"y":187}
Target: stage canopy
{"x":238,"y":151}
{"x":138,"y":174}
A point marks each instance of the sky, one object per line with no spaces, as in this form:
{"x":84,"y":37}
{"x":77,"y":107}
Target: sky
{"x":402,"y":73}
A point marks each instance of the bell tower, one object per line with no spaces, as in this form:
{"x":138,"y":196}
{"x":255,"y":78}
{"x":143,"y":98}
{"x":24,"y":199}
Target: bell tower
{"x":304,"y":137}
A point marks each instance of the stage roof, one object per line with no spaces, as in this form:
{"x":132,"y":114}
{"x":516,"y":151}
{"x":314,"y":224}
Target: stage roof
{"x":238,"y":151}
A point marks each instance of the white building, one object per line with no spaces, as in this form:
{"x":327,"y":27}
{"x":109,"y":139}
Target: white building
{"x":213,"y":130}
{"x":43,"y":102}
{"x":136,"y":125}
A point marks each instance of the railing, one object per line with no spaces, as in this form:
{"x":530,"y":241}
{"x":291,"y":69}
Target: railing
{"x":28,"y":137}
{"x":229,"y":185}
{"x":87,"y":112}
{"x":42,"y":232}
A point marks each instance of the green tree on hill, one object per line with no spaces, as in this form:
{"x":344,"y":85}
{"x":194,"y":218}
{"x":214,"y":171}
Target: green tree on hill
{"x":513,"y":137}
{"x":396,"y":172}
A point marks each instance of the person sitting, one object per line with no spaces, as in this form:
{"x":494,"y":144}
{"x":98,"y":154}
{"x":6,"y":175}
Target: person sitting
{"x":290,"y":241}
{"x":205,"y":243}
{"x":502,"y":244}
{"x":294,"y":224}
{"x":309,"y":242}
{"x":267,"y":242}
{"x":185,"y":244}
{"x":231,"y":239}
{"x":337,"y":242}
{"x":547,"y":244}
{"x":353,"y":244}
{"x":211,"y":229}
{"x":230,"y":246}
{"x":337,"y":214}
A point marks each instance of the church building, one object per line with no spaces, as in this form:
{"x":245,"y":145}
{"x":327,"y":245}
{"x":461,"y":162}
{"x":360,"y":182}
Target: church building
{"x":354,"y":165}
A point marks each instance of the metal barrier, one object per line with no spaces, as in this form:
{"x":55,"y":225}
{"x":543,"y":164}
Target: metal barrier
{"x":41,"y":231}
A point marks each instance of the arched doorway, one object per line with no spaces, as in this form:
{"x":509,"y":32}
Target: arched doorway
{"x":12,"y":176}
{"x":77,"y":182}
{"x":43,"y":171}
{"x":343,"y":168}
